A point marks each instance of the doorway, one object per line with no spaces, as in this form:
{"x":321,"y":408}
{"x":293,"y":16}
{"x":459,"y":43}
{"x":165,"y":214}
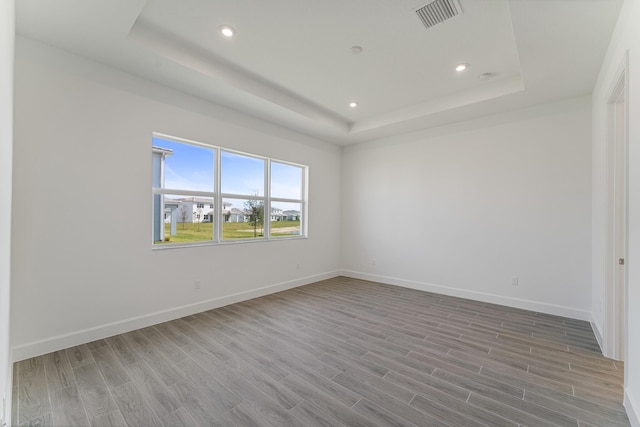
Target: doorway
{"x":616,"y":286}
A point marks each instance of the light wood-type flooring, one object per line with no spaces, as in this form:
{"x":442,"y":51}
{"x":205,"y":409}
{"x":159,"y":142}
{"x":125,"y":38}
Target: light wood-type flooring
{"x":340,"y":352}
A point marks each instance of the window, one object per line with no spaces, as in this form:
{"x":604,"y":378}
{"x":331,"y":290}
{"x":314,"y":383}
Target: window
{"x":286,"y":199}
{"x":183,"y":181}
{"x":243,"y":189}
{"x":203,"y":194}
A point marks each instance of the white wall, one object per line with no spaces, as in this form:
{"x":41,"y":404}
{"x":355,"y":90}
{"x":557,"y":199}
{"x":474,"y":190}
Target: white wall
{"x":464,"y":208}
{"x":83,"y":140}
{"x":459,"y":209}
{"x":626,"y":36}
{"x":6,"y":146}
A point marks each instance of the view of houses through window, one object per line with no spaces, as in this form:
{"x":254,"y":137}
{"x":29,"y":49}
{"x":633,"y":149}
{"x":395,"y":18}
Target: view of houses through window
{"x":211,"y":194}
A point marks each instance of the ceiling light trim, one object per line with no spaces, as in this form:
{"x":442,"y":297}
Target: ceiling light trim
{"x":227,"y":31}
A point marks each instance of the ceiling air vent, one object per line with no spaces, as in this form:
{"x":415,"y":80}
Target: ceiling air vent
{"x":438,"y":11}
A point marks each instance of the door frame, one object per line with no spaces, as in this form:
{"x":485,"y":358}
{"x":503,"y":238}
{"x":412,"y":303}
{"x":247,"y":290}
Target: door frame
{"x":617,"y":141}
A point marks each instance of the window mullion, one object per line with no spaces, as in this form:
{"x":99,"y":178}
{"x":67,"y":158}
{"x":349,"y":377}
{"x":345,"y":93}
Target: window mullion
{"x":267,"y":201}
{"x":242,"y":196}
{"x":304,"y":205}
{"x":217,"y":176}
{"x":185,"y":192}
{"x":282,"y":199}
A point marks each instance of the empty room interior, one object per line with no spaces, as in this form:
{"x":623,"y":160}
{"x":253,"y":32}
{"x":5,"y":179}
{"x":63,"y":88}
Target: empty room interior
{"x":331,"y":213}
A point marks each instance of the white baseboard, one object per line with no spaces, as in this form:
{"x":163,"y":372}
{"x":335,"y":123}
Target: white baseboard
{"x":598,"y":333}
{"x":524,"y":304}
{"x":59,"y":342}
{"x":633,"y":411}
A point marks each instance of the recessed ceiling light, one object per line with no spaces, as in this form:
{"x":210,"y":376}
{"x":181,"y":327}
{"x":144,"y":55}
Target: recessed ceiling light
{"x":353,"y":104}
{"x":227,"y":30}
{"x":485,"y":77}
{"x":461,"y":67}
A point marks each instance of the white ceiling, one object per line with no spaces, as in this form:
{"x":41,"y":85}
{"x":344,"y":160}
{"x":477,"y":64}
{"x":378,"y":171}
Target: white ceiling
{"x":291,"y":61}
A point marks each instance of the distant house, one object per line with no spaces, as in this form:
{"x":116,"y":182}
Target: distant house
{"x":291,"y":215}
{"x":195,"y":209}
{"x":188,"y":210}
{"x":192,"y":209}
{"x":237,"y":215}
{"x":276,"y":214}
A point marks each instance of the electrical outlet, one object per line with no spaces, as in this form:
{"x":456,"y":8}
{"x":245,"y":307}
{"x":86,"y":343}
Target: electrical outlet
{"x":515,"y":281}
{"x":373,"y":263}
{"x":196,"y":284}
{"x":298,"y":266}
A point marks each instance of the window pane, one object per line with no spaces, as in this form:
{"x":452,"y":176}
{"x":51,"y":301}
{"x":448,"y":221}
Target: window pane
{"x":179,"y":219}
{"x":242,"y":219}
{"x":286,"y":181}
{"x":285,"y":219}
{"x":242,"y":174}
{"x":184,"y":166}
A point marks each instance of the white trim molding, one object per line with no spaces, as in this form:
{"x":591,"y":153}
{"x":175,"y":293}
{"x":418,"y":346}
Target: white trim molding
{"x":60,"y":342}
{"x":63,"y":341}
{"x":541,"y":307}
{"x":633,"y":411}
{"x":616,"y":285}
{"x":598,"y":333}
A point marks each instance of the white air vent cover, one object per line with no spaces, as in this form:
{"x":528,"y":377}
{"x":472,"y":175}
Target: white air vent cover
{"x":438,"y":11}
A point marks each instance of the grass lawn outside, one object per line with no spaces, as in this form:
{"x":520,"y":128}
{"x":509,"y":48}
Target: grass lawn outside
{"x":203,"y":232}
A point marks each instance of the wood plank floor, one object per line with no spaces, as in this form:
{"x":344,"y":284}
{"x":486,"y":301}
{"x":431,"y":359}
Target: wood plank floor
{"x":342,"y":352}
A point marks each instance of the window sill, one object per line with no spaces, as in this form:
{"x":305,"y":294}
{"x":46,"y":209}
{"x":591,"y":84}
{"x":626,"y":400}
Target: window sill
{"x":166,"y":246}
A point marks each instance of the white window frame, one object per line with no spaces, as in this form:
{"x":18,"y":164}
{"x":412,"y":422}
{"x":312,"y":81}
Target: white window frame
{"x":302,"y":202}
{"x":219,"y":197}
